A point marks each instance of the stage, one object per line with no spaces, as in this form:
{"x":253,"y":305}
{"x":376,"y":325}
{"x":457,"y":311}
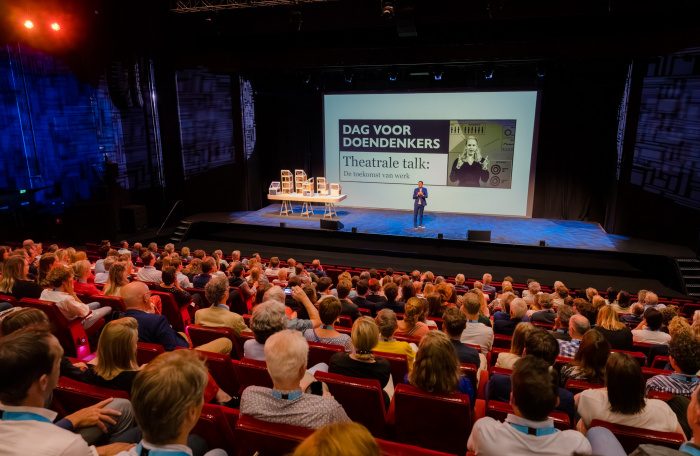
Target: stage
{"x":572,"y":247}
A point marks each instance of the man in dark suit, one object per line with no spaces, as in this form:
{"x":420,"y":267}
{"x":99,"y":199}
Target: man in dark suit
{"x":420,"y":194}
{"x":453,"y":323}
{"x":348,"y":307}
{"x":361,"y":300}
{"x":518,"y":307}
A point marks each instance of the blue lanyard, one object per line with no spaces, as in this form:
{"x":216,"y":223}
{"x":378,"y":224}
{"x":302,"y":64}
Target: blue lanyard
{"x":24,"y":416}
{"x":534,"y":431}
{"x":386,"y":340}
{"x":289,"y":396}
{"x":685,"y":378}
{"x":328,"y":327}
{"x":472,"y":321}
{"x":689,"y":448}
{"x":221,"y":306}
{"x":563,"y":331}
{"x":139,"y":450}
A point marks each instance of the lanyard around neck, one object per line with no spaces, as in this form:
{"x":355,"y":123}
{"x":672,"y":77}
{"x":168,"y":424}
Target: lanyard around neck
{"x":534,"y":431}
{"x":288,"y":396}
{"x":23,"y":416}
{"x":328,"y":327}
{"x":141,"y":451}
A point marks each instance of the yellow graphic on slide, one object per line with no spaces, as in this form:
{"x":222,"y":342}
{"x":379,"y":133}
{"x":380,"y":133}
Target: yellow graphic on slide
{"x":481,"y":153}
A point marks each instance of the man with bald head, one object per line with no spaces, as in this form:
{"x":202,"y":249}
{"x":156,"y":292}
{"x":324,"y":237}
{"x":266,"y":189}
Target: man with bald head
{"x":578,"y":325}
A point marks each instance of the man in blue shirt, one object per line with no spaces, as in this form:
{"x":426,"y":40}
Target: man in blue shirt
{"x":420,"y":194}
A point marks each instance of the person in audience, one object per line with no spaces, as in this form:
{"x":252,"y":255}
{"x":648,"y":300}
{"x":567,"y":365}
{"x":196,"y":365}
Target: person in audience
{"x":540,"y":344}
{"x":153,"y":248}
{"x":375,"y":289}
{"x":547,"y":314}
{"x":696,"y":323}
{"x":578,"y":326}
{"x":118,"y":278}
{"x":115,"y":365}
{"x":61,"y":282}
{"x":323,"y":287}
{"x":528,"y":430}
{"x":362,"y":363}
{"x":622,"y":303}
{"x":411,"y":325}
{"x":148,"y":273}
{"x":219,"y":314}
{"x":507,"y":360}
{"x":267,"y":319}
{"x":340,"y":439}
{"x":154,"y":328}
{"x":636,"y":315}
{"x":445,"y":292}
{"x":349,"y":308}
{"x":684,"y":356}
{"x":589,"y":309}
{"x":30,"y":361}
{"x":406,"y":291}
{"x":80,"y":284}
{"x":47,"y":262}
{"x":533,"y":289}
{"x":286,"y":353}
{"x":436,"y":368}
{"x":103,"y":276}
{"x":181,"y":278}
{"x":589,"y":361}
{"x":434,"y":304}
{"x":303,"y":275}
{"x":649,"y":330}
{"x":453,"y":323}
{"x":668,"y":313}
{"x":209,"y":267}
{"x":273,"y":268}
{"x":193,"y":269}
{"x":317,"y":269}
{"x":475,"y":333}
{"x":618,"y":334}
{"x":391,"y":291}
{"x":652,"y":300}
{"x":169,"y":285}
{"x":260,"y":293}
{"x":313,"y":321}
{"x":185,"y":254}
{"x":460,"y":283}
{"x":124,"y":248}
{"x":102,"y":253}
{"x":386,"y":321}
{"x":518,"y":307}
{"x":14,"y":279}
{"x":560,"y":294}
{"x":623,"y":400}
{"x":361,"y":301}
{"x":237,"y":280}
{"x":486,"y":284}
{"x":329,"y":310}
{"x":281,"y":279}
{"x":165,"y":422}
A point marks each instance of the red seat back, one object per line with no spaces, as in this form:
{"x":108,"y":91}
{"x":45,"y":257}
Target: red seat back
{"x":689,"y":309}
{"x":501,"y":341}
{"x":70,"y":334}
{"x":72,"y":395}
{"x":409,"y":339}
{"x":193,"y":291}
{"x":469,"y":371}
{"x":576,"y":386}
{"x":236,"y":301}
{"x":438,"y":321}
{"x":146,"y":352}
{"x":178,"y":317}
{"x":257,"y":437}
{"x":640,"y":357}
{"x":397,"y":363}
{"x":115,"y":302}
{"x":649,"y":372}
{"x":215,"y":428}
{"x":345,"y":321}
{"x":495,"y":351}
{"x":361,"y":398}
{"x":200,"y":335}
{"x":500,"y":410}
{"x":223,"y":369}
{"x":253,"y":372}
{"x":660,"y":362}
{"x":450,"y":415}
{"x":322,"y":353}
{"x":11,"y":299}
{"x":631,"y":437}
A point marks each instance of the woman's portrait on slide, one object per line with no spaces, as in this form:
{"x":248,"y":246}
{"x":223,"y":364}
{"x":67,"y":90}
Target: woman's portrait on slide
{"x":470,"y":168}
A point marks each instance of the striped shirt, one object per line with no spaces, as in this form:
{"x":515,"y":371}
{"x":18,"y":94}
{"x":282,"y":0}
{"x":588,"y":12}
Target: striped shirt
{"x":680,"y":384}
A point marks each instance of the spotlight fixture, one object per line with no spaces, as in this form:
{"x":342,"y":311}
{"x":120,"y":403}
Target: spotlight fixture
{"x":55,"y":27}
{"x":29,"y":24}
{"x":488,"y":74}
{"x":438,"y":75}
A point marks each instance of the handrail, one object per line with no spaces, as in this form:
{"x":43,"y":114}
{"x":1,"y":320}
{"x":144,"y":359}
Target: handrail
{"x":168,"y":217}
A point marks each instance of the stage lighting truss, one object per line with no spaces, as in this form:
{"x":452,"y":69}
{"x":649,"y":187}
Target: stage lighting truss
{"x":193,"y":6}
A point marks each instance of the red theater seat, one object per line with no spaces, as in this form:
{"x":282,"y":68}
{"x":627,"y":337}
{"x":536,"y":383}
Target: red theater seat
{"x":200,"y":335}
{"x":631,"y":437}
{"x":69,"y":396}
{"x":501,"y":341}
{"x":576,"y":386}
{"x":500,"y":410}
{"x":253,"y":372}
{"x":470,"y":371}
{"x":397,"y":363}
{"x":449,"y":415}
{"x":321,"y":353}
{"x":115,"y":302}
{"x":71,"y":334}
{"x":640,"y":357}
{"x":495,"y":351}
{"x":214,"y":426}
{"x":146,"y":352}
{"x":361,"y":398}
{"x":198,"y":291}
{"x":178,"y":316}
{"x":236,"y":301}
{"x":223,"y":369}
{"x":11,"y":299}
{"x":660,"y":362}
{"x":345,"y":321}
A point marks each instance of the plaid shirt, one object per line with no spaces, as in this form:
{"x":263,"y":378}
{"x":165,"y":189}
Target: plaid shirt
{"x":680,"y":384}
{"x":568,"y":348}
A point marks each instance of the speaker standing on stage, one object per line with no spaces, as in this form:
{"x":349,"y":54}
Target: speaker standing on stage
{"x":420,"y":194}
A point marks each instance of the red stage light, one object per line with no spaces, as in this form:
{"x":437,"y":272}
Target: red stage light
{"x":29,"y":24}
{"x":55,"y":26}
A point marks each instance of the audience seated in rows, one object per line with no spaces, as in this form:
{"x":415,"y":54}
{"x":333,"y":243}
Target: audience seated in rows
{"x":329,"y":310}
{"x":218,"y":313}
{"x":578,"y":325}
{"x":411,"y":326}
{"x":589,"y":361}
{"x":475,"y":333}
{"x":518,"y":308}
{"x":684,"y":357}
{"x":618,"y":334}
{"x":649,"y":330}
{"x":170,"y":285}
{"x":508,"y":359}
{"x":387,"y":324}
{"x":453,"y":323}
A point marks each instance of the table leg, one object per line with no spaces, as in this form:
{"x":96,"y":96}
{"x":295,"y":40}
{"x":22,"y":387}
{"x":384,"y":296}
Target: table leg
{"x":286,"y":208}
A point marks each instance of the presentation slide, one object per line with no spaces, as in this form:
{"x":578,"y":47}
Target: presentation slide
{"x":474,"y":151}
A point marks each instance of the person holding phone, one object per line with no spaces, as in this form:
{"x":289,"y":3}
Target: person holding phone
{"x":420,"y":194}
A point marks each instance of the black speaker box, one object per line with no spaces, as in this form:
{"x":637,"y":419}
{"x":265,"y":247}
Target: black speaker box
{"x":479,"y":235}
{"x":133,"y":219}
{"x":334,"y":225}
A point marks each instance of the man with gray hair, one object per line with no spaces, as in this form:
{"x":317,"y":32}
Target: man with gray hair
{"x":533,"y":288}
{"x":518,"y":308}
{"x":561,"y":323}
{"x":277,"y":295}
{"x":486,"y":281}
{"x":101,"y":277}
{"x":637,"y":315}
{"x":219,"y":314}
{"x":578,"y":325}
{"x":286,"y":353}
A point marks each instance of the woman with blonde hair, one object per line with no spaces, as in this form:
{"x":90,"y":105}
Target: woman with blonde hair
{"x":436,"y":368}
{"x":14,"y":279}
{"x":185,"y":254}
{"x":47,"y":262}
{"x":411,"y":325}
{"x":193,"y":269}
{"x":340,"y":439}
{"x":618,"y":334}
{"x":362,"y":363}
{"x":115,"y":365}
{"x":117,"y":279}
{"x":517,"y":346}
{"x":82,"y":274}
{"x":60,"y":281}
{"x":696,"y":324}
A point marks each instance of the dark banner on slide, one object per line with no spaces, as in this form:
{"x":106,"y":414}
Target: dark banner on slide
{"x":466,"y":153}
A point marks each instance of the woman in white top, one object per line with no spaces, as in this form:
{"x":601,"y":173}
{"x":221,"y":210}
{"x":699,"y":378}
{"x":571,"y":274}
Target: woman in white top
{"x":623,"y":400}
{"x":517,"y":345}
{"x":60,"y":281}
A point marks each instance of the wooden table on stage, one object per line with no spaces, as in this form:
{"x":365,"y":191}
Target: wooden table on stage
{"x":307,"y":209}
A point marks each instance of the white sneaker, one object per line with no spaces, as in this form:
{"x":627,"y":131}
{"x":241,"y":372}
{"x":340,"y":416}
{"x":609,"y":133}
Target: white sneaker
{"x":421,"y":226}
